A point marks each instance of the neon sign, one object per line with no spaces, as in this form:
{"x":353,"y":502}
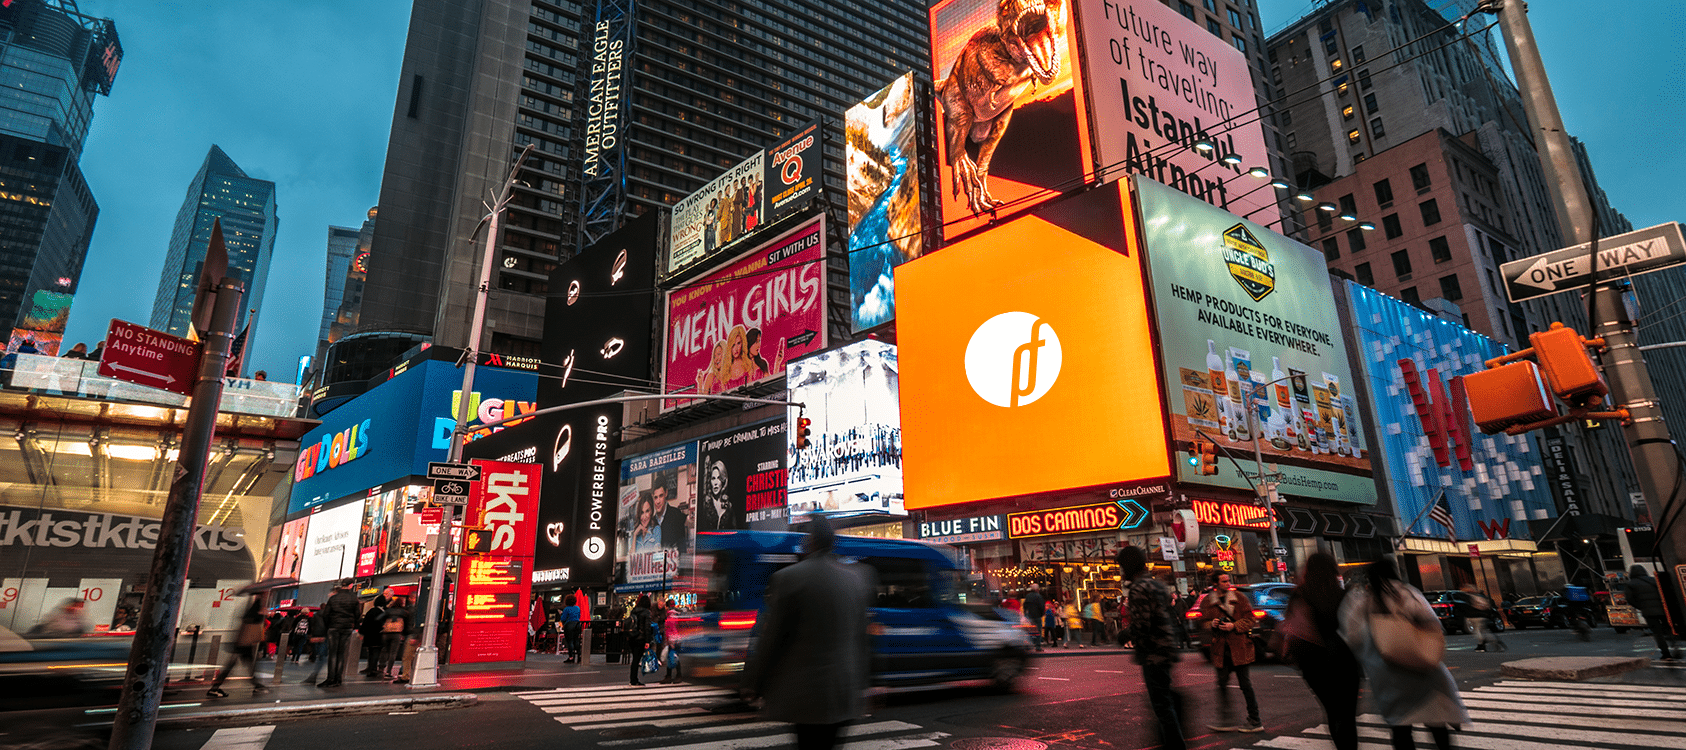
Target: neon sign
{"x":1243,"y":515}
{"x":1224,"y":556}
{"x":335,"y":450}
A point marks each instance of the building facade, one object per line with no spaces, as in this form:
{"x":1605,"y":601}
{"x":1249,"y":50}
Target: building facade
{"x":342,"y":285}
{"x":246,"y":207}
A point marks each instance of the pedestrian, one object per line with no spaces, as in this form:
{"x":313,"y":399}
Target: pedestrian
{"x":570,"y":618}
{"x":1387,"y":614}
{"x":1052,"y":630}
{"x":260,"y":375}
{"x":670,"y":643}
{"x":1151,"y":629}
{"x":397,"y":622}
{"x":68,"y":621}
{"x":1073,"y":623}
{"x":1113,"y":611}
{"x":1180,"y":604}
{"x":1477,"y":611}
{"x":1092,"y":621}
{"x":79,"y":351}
{"x":1228,"y":615}
{"x":810,"y":661}
{"x":1642,"y":594}
{"x":298,"y":633}
{"x":1034,"y":607}
{"x":272,"y":635}
{"x":1311,"y":636}
{"x":374,"y":619}
{"x":317,"y":637}
{"x":98,"y":352}
{"x":243,"y":650}
{"x":637,"y":631}
{"x":341,"y":614}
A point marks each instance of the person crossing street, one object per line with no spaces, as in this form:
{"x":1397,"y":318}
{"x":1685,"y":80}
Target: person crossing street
{"x":1228,"y":614}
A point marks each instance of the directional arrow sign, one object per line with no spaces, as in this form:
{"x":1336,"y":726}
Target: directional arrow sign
{"x":1643,"y":251}
{"x":1134,"y":514}
{"x":140,"y":355}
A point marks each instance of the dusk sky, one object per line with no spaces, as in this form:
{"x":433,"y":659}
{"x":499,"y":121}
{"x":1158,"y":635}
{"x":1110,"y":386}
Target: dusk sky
{"x":302,"y":92}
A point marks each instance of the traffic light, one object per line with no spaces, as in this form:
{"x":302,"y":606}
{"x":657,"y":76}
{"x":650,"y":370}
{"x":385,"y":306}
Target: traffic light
{"x":802,"y":425}
{"x":1569,"y":368}
{"x":1208,"y":458}
{"x":476,"y":541}
{"x":1507,"y":396}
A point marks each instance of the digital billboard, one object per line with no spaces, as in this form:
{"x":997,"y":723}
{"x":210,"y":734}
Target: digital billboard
{"x":1012,"y":119}
{"x":289,"y":554}
{"x":599,"y":318}
{"x":1158,"y":83}
{"x":658,"y":522}
{"x":489,"y":621}
{"x":741,"y":478}
{"x":853,"y":462}
{"x":753,"y":195}
{"x":1007,"y":337}
{"x":886,"y":226}
{"x":330,"y":547}
{"x":741,"y":324}
{"x":48,"y":311}
{"x":1247,"y":323}
{"x":381,"y":532}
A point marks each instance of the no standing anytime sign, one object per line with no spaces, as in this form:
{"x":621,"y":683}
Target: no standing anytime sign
{"x":140,"y":355}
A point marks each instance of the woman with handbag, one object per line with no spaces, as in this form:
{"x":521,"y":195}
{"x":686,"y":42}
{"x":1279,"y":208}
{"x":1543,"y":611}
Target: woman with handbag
{"x":1311,"y":638}
{"x":1399,"y":643}
{"x":243,"y":649}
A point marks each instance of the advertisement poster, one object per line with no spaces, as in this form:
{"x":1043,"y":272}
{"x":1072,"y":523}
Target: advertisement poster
{"x":750,"y":196}
{"x":998,"y":160}
{"x":741,"y":324}
{"x":492,"y":599}
{"x":1247,"y":323}
{"x":380,"y":534}
{"x":330,"y":548}
{"x":1160,"y":82}
{"x":289,"y":556}
{"x":600,"y":319}
{"x":742,"y":483}
{"x":658,"y":516}
{"x":48,"y":311}
{"x":886,"y":227}
{"x":853,"y":462}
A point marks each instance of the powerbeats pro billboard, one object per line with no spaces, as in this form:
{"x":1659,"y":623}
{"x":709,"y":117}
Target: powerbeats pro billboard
{"x":1250,"y":339}
{"x":1012,"y":120}
{"x":1026,"y":361}
{"x":749,"y":197}
{"x":739,"y":325}
{"x":1158,"y":82}
{"x":853,"y":462}
{"x":886,"y":226}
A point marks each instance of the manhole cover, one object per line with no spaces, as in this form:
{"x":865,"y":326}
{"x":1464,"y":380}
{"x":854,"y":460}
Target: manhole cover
{"x":997,"y":743}
{"x":636,"y":733}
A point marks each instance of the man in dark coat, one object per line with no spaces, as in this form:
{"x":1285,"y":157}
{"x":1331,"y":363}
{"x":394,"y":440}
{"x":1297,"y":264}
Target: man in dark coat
{"x":340,"y":616}
{"x":1151,"y":618}
{"x":370,"y":628}
{"x":810,"y":662}
{"x":1642,"y":594}
{"x":1033,"y":607}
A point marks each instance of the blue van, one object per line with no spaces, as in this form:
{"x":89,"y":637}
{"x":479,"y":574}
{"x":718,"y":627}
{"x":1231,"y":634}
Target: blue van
{"x":923,"y":632}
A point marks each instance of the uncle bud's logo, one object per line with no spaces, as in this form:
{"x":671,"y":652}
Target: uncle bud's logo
{"x":1249,"y":262}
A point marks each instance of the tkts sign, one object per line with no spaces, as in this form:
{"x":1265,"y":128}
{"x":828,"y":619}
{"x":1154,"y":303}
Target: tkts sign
{"x":489,"y":621}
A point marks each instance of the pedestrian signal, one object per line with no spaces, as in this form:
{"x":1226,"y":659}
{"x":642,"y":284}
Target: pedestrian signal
{"x":476,"y":541}
{"x":802,"y":425}
{"x":1568,"y":366}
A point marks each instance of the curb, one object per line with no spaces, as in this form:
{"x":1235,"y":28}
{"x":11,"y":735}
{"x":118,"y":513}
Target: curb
{"x":263,"y":714}
{"x":1573,"y":668}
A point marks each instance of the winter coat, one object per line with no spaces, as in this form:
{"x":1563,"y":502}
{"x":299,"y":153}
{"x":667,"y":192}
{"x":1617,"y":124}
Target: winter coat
{"x":370,"y":629}
{"x":1237,"y":644}
{"x":811,"y":659}
{"x":342,"y":611}
{"x":1642,"y":594}
{"x":1403,"y":697}
{"x":1034,"y":604}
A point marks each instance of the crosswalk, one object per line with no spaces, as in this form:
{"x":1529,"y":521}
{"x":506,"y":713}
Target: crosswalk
{"x":695,"y":717}
{"x":1528,"y":715}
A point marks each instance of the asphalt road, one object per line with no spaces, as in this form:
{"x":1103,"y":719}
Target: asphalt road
{"x":1069,"y":701}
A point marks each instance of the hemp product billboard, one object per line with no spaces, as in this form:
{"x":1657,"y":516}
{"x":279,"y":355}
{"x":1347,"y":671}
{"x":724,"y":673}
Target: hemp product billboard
{"x":1247,"y":323}
{"x":885,"y":225}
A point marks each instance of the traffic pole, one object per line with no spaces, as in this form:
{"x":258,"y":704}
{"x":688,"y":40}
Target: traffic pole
{"x":149,"y":656}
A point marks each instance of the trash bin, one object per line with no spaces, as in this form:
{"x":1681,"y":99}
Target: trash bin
{"x":613,"y":645}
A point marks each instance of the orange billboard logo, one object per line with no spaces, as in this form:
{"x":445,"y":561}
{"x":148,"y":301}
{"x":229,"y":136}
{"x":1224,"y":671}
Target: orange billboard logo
{"x":1008,"y":373}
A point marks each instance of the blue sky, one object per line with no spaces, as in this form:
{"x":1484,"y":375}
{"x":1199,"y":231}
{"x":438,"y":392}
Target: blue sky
{"x":302,"y":93}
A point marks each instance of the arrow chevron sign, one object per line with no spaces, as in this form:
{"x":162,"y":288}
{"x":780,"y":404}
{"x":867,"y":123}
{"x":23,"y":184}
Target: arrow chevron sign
{"x":1642,"y":251}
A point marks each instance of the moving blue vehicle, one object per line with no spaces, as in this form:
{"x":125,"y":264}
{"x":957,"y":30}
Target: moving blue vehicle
{"x":924,"y":632}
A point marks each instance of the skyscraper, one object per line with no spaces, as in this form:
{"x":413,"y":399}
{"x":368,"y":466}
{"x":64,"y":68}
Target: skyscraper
{"x":53,"y":61}
{"x":342,"y":288}
{"x":246,"y":206}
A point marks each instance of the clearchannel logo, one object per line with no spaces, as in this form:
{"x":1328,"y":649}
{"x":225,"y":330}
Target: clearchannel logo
{"x":1013,"y":359}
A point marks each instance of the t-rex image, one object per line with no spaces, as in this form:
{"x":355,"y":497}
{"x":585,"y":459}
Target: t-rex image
{"x":994,"y":67}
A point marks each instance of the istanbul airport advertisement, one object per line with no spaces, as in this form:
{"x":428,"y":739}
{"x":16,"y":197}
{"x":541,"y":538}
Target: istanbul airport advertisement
{"x":1247,"y":323}
{"x":885,"y":225}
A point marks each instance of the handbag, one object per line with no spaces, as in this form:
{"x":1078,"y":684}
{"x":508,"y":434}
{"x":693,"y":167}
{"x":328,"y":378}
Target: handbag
{"x":250,"y":634}
{"x":1402,"y":644}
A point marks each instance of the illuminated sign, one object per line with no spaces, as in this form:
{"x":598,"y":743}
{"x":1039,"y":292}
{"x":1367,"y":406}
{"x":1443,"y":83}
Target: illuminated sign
{"x":964,"y":530}
{"x":886,"y":225}
{"x":484,"y":572}
{"x":853,"y":461}
{"x":491,"y":604}
{"x":491,"y":607}
{"x":1243,"y":515}
{"x":1122,"y":514}
{"x":483,"y":409}
{"x":1224,"y":555}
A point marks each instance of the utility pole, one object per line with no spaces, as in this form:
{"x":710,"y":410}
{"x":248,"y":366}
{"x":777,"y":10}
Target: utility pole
{"x":149,"y":657}
{"x":1615,"y":308}
{"x":427,"y":653}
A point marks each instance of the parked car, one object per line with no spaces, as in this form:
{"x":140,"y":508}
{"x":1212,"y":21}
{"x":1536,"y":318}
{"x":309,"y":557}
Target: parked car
{"x":1547,"y":611}
{"x":1270,"y":605}
{"x":1449,"y":605}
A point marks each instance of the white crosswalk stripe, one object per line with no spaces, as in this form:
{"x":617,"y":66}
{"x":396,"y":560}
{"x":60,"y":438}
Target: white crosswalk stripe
{"x":685,"y":718}
{"x":1526,"y":715}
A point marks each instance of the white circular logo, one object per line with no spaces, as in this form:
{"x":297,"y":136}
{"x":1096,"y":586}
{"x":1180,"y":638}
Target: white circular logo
{"x":1013,"y":359}
{"x":594,"y":548}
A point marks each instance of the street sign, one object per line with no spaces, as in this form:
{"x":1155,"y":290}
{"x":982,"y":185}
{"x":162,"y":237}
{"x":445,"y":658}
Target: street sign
{"x":1281,"y":551}
{"x":450,"y":491}
{"x":1642,"y":251}
{"x":442,"y":470}
{"x":432,"y":516}
{"x":140,"y":355}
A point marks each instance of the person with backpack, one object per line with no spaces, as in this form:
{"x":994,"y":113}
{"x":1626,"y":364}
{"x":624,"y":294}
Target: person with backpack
{"x":396,"y":624}
{"x":1642,"y":594}
{"x":297,"y":628}
{"x":637,"y":629}
{"x":1477,"y":611}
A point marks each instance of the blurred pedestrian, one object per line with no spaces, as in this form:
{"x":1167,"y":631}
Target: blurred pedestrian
{"x":1052,"y":629}
{"x":341,"y":613}
{"x":244,"y":649}
{"x":317,"y":637}
{"x":1387,"y":614}
{"x":1092,"y":621}
{"x":1072,"y":621}
{"x":79,"y":351}
{"x":637,"y":627}
{"x":68,"y":621}
{"x":297,"y":628}
{"x":1151,"y":616}
{"x":811,"y":659}
{"x":1311,"y":636}
{"x":1228,"y":615}
{"x":670,"y":643}
{"x":397,"y":622}
{"x":1477,"y":613}
{"x":1642,"y":594}
{"x":1034,"y":608}
{"x":374,"y":619}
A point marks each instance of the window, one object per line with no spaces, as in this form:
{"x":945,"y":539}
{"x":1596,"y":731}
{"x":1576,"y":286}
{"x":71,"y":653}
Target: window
{"x":1240,"y":44}
{"x":1213,"y":26}
{"x":1324,"y":219}
{"x":902,"y":583}
{"x":1235,"y":19}
{"x":1352,"y":136}
{"x":1343,"y":88}
{"x":1365,"y":276}
{"x":1376,"y":129}
{"x":1349,"y":207}
{"x":1329,"y":46}
{"x":1358,"y":54}
{"x":1370,"y":105}
{"x":1450,"y":289}
{"x":1331,"y":249}
{"x":1431,"y":212}
{"x":1390,"y":226}
{"x":1287,"y":118}
{"x":1211,"y":5}
{"x":1440,"y":250}
{"x":1276,"y":76}
{"x":1364,"y":80}
{"x":1346,"y":112}
{"x":1409,"y":295}
{"x":1291,"y":146}
{"x":1355,"y":240}
{"x":1335,"y":65}
{"x":1384,"y":194}
{"x":1402,"y":264}
{"x":1186,"y":9}
{"x":1419,"y":178}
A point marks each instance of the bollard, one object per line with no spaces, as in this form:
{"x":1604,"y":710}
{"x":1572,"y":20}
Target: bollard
{"x":280,"y":657}
{"x":355,"y":646}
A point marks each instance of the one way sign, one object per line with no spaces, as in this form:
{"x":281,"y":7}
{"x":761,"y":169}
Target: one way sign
{"x":1643,"y":251}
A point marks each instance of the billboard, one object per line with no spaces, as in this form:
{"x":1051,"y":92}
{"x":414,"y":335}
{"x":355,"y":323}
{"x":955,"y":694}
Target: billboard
{"x":330,"y":547}
{"x":289,"y":554}
{"x":657,"y":515}
{"x":739,"y":325}
{"x":489,"y":621}
{"x":600,"y":320}
{"x":381,"y":532}
{"x":741,"y":482}
{"x":754,"y":194}
{"x":1158,"y":82}
{"x":48,"y":311}
{"x":853,"y":462}
{"x":886,"y":227}
{"x":1037,"y":325}
{"x":1247,"y":323}
{"x":1009,"y":136}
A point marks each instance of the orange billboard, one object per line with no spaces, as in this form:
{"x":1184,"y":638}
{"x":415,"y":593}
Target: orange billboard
{"x":1026,"y":362}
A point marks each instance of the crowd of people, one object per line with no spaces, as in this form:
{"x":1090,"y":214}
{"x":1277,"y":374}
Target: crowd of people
{"x":387,"y":624}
